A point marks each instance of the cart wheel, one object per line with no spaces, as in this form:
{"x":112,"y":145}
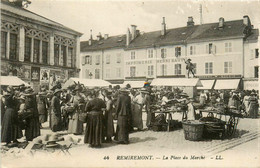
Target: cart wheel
{"x":231,"y":126}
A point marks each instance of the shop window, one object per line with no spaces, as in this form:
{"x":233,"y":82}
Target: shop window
{"x":13,"y":47}
{"x":3,"y":44}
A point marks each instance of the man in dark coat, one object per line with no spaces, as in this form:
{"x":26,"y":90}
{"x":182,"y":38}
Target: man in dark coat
{"x":56,"y":111}
{"x":123,"y":111}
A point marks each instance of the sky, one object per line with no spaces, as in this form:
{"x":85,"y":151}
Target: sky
{"x":114,"y":17}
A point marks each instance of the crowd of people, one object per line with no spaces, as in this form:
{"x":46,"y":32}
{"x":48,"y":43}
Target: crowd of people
{"x":68,"y":109}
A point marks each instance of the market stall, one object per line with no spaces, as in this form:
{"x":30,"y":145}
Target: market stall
{"x":207,"y":85}
{"x":86,"y":82}
{"x":227,"y":84}
{"x":12,"y":81}
{"x":189,"y":85}
{"x":134,"y":84}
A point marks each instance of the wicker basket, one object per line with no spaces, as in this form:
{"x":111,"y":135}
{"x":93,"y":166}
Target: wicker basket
{"x":193,"y":130}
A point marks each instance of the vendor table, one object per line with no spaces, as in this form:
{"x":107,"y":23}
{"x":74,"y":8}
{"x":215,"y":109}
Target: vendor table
{"x":168,"y":117}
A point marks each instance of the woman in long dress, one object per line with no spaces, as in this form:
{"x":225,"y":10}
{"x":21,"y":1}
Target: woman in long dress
{"x":56,"y":111}
{"x":75,"y":125}
{"x":42,"y":107}
{"x":108,"y":119}
{"x":10,"y":130}
{"x":253,"y":105}
{"x":94,"y":133}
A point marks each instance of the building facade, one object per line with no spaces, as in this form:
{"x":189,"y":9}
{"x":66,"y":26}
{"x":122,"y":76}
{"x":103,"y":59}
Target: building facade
{"x":221,"y":50}
{"x":36,"y":49}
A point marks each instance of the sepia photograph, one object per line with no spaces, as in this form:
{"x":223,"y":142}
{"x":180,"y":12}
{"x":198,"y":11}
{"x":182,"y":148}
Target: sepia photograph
{"x":131,"y":83}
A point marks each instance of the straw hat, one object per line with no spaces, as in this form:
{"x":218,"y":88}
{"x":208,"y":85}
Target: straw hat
{"x":124,"y":90}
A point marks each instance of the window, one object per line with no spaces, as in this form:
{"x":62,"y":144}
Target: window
{"x":97,"y":59}
{"x":228,"y":47}
{"x":150,"y":70}
{"x":118,"y":72}
{"x":164,"y":69}
{"x":177,"y":51}
{"x":36,"y":51}
{"x":163,"y":53}
{"x":192,"y":50}
{"x":97,"y":73}
{"x":150,"y":53}
{"x":56,"y":54}
{"x":256,"y":71}
{"x":256,"y":53}
{"x":108,"y":59}
{"x":132,"y":55}
{"x":227,"y":67}
{"x":132,"y":71}
{"x":209,"y":48}
{"x":177,"y":68}
{"x":208,"y":68}
{"x":88,"y":60}
{"x":195,"y":68}
{"x":107,"y":73}
{"x":118,"y":58}
{"x":87,"y":74}
{"x":27,"y":49}
{"x":13,"y":47}
{"x":70,"y":56}
{"x":64,"y":55}
{"x":45,"y":52}
{"x":3,"y":44}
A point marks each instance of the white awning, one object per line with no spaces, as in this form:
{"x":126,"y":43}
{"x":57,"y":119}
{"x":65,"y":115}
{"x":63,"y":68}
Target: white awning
{"x":176,"y":82}
{"x":207,"y":84}
{"x":227,"y":84}
{"x":12,"y":81}
{"x":250,"y":85}
{"x":86,"y":82}
{"x":134,"y":84}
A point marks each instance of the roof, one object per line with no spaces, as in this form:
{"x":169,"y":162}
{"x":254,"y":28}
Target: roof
{"x":109,"y":43}
{"x":177,"y":36}
{"x":5,"y":6}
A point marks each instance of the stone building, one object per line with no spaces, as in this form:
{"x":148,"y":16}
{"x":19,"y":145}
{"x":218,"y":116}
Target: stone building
{"x":224,"y":53}
{"x":36,"y":49}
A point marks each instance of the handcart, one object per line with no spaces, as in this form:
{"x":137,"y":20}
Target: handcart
{"x":230,"y":121}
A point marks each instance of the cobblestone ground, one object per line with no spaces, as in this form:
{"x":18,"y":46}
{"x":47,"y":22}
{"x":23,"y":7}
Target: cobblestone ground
{"x":150,"y":149}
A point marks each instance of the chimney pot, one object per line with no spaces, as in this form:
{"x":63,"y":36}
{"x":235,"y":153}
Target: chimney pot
{"x":221,"y":22}
{"x":133,"y":31}
{"x":163,"y":31}
{"x":128,"y":38}
{"x":105,"y":36}
{"x":190,"y":21}
{"x":246,"y":20}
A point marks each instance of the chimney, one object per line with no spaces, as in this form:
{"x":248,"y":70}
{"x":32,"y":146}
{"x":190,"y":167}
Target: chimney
{"x":190,"y":21}
{"x":246,"y":21}
{"x":128,"y":38}
{"x":99,"y":36}
{"x":221,"y":22}
{"x":163,"y":31}
{"x":133,"y":32}
{"x":90,"y":39}
{"x":105,"y":36}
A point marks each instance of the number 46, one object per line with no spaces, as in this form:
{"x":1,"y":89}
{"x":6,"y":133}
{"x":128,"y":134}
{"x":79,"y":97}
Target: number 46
{"x":106,"y":158}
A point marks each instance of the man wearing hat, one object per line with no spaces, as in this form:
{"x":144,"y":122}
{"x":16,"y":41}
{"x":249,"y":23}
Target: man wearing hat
{"x":56,"y":111}
{"x":42,"y":106}
{"x":137,"y":114}
{"x":189,"y":67}
{"x":123,"y":111}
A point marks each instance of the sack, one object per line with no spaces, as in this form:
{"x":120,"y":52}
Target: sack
{"x":83,"y":117}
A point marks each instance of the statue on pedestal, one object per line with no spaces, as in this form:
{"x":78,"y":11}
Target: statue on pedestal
{"x":189,"y":67}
